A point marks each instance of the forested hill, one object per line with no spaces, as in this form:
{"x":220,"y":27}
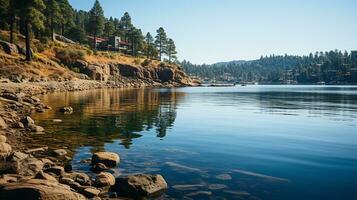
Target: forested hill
{"x":333,"y":67}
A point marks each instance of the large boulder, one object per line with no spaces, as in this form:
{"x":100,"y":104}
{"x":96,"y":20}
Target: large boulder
{"x":109,"y":159}
{"x":26,"y":166}
{"x":104,"y":179}
{"x":141,"y":185}
{"x":9,"y":48}
{"x":36,"y":189}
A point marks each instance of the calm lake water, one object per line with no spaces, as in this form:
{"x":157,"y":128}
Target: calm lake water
{"x":254,"y":142}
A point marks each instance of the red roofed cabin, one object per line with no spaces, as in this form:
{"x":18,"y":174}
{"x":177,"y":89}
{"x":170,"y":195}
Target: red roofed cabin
{"x":112,"y":44}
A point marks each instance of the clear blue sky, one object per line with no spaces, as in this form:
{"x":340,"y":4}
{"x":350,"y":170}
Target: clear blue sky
{"x":209,"y":31}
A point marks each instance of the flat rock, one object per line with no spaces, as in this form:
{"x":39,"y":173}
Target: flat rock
{"x":90,"y":192}
{"x":81,"y":178}
{"x":36,"y":189}
{"x":58,"y":170}
{"x":60,"y":152}
{"x":104,"y":179}
{"x":109,"y":159}
{"x":36,"y":129}
{"x":141,"y":185}
{"x":45,"y":176}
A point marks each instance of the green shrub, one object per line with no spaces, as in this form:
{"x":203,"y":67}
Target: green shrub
{"x":76,"y":69}
{"x":146,"y":62}
{"x":69,"y":56}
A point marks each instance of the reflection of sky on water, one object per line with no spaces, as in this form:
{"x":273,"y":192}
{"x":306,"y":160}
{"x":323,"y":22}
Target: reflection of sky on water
{"x":258,"y":135}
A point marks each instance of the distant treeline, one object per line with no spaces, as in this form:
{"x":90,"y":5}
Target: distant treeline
{"x":42,"y":18}
{"x":333,"y":67}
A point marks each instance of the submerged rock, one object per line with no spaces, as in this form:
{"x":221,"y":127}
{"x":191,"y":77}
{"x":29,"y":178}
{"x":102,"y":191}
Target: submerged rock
{"x":99,"y":167}
{"x":109,"y":159}
{"x":140,"y":185}
{"x":35,"y":189}
{"x":66,"y":110}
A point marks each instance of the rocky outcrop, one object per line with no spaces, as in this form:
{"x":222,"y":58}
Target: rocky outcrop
{"x":5,"y":150}
{"x":109,"y":159}
{"x":35,"y":189}
{"x":9,"y":48}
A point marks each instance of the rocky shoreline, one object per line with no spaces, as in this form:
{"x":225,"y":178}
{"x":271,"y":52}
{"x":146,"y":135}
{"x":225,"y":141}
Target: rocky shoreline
{"x":45,"y":173}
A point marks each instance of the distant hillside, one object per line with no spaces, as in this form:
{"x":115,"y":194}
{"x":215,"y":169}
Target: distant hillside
{"x":333,"y":67}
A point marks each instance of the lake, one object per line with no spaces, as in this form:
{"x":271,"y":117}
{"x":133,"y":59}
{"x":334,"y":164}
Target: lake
{"x":253,"y":142}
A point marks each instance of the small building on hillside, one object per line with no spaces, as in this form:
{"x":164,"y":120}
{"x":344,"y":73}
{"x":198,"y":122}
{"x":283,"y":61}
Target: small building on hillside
{"x":114,"y":43}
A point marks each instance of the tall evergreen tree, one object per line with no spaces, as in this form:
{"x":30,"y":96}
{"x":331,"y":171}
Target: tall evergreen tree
{"x":161,"y":41}
{"x":96,"y":21}
{"x":53,"y":14}
{"x":67,"y":15}
{"x":150,"y":50}
{"x":125,"y":25}
{"x":136,"y":39}
{"x":171,"y":50}
{"x":30,"y":12}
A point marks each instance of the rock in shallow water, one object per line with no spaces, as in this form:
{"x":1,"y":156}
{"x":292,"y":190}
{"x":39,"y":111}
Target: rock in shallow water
{"x":109,"y":159}
{"x":141,"y":185}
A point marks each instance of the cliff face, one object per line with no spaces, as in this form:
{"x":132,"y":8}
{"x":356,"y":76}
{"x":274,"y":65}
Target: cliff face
{"x":121,"y":72}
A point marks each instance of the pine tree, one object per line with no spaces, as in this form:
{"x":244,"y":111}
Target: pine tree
{"x":30,"y":12}
{"x":67,"y":15}
{"x":53,"y":14}
{"x":136,"y":39}
{"x":161,"y":41}
{"x":150,"y":50}
{"x":171,"y":50}
{"x":125,"y":25}
{"x":96,"y":22}
{"x":109,"y":30}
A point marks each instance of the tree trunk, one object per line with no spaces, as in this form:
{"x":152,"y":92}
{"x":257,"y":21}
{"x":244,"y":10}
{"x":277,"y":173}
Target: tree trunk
{"x":52,"y":31}
{"x":12,"y":16}
{"x":95,"y":42}
{"x":28,"y":45}
{"x":62,"y":29}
